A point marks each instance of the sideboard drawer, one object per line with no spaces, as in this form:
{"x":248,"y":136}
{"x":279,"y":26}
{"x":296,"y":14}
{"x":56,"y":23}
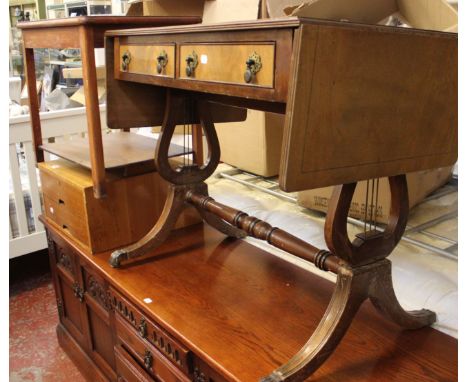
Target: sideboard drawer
{"x":145,"y":329}
{"x":227,"y":63}
{"x":154,"y":60}
{"x":154,"y":362}
{"x":128,"y":370}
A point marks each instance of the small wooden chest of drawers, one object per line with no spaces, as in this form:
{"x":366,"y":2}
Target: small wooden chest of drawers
{"x":131,"y":208}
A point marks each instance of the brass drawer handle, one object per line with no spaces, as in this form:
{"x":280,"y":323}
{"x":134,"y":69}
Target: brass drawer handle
{"x":148,"y":360}
{"x":162,"y":61}
{"x":142,"y":328}
{"x":126,"y":58}
{"x":192,"y":62}
{"x":254,"y":64}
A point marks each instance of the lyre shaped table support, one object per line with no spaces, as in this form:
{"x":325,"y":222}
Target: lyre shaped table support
{"x":182,"y":180}
{"x":362,"y":268}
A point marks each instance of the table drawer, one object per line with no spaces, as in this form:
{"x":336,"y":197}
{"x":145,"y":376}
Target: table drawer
{"x":145,"y":329}
{"x":227,"y":63}
{"x":155,"y":60}
{"x":147,"y":356}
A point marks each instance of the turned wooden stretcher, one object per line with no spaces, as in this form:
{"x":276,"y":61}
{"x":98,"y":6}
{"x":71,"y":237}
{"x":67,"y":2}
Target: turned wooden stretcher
{"x":360,"y":102}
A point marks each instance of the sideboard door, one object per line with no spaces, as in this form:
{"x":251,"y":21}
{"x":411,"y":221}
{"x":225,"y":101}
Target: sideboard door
{"x":69,"y":292}
{"x":99,"y":315}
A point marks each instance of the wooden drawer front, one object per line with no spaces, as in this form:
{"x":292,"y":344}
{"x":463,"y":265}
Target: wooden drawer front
{"x":175,"y":352}
{"x":64,"y":193}
{"x":154,"y":362}
{"x":71,"y":221}
{"x":226,"y":63}
{"x":128,"y":370}
{"x":144,"y":59}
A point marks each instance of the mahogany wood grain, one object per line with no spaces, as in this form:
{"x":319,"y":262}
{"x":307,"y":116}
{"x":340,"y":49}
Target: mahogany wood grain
{"x":366,"y":102}
{"x":245,"y":312}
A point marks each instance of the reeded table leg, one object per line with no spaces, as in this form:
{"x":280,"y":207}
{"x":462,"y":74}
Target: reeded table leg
{"x":367,"y":276}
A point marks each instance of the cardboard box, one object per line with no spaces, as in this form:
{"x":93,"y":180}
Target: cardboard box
{"x":219,"y":11}
{"x":78,"y":72}
{"x":173,"y":8}
{"x":422,"y":14}
{"x":79,"y":95}
{"x":420,"y":184}
{"x":253,"y":145}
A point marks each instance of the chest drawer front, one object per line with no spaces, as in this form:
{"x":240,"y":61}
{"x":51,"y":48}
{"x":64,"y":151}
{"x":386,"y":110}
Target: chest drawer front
{"x":227,"y":63}
{"x":153,"y":361}
{"x":155,"y":60}
{"x":62,"y":192}
{"x":70,"y":220}
{"x":145,"y":329}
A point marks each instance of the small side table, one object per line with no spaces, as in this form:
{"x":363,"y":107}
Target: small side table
{"x":85,"y":33}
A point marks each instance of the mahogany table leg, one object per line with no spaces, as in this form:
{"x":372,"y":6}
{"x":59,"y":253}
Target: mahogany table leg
{"x":368,"y":275}
{"x":353,"y":287}
{"x":382,"y":295}
{"x":158,"y":234}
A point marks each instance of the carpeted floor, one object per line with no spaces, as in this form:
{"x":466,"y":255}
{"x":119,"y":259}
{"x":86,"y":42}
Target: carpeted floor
{"x":35,"y":355}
